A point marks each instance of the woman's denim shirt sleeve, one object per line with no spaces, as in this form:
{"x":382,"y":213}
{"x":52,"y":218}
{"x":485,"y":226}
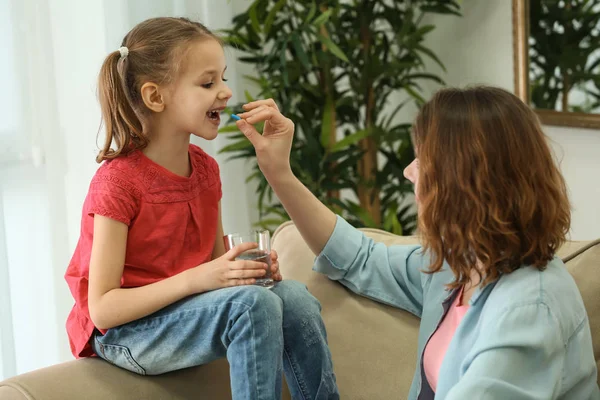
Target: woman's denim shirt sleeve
{"x":388,"y":274}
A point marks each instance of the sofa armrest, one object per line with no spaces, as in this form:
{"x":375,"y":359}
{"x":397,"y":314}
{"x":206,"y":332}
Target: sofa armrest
{"x":11,"y":393}
{"x":95,"y":379}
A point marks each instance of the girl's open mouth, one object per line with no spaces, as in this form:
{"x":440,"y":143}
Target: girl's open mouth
{"x":214,"y":116}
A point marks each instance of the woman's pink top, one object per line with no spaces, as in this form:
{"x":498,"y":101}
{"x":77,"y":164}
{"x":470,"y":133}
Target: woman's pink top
{"x":439,"y":341}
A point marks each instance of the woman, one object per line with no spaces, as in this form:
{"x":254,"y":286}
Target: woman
{"x":501,"y":318}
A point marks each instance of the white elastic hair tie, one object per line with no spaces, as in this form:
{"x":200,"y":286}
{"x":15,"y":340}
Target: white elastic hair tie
{"x":124,"y":51}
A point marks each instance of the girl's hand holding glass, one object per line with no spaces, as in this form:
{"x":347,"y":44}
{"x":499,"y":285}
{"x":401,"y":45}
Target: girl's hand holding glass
{"x":226,"y":271}
{"x":261,"y":251}
{"x":275,"y":267}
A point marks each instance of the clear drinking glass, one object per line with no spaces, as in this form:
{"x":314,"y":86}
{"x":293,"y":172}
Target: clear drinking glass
{"x":262,"y":253}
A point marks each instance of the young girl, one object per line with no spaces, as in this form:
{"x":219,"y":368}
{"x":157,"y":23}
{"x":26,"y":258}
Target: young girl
{"x":501,"y":317}
{"x":154,"y":289}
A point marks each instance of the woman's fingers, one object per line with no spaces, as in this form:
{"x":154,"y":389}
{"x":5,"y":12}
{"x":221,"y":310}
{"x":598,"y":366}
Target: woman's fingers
{"x":247,"y":114}
{"x":257,"y":103}
{"x":262,"y":114}
{"x":274,"y":145}
{"x":251,"y":133}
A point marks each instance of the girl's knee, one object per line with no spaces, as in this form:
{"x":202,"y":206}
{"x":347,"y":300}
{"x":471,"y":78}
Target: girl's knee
{"x":295,"y":296}
{"x":258,"y":297}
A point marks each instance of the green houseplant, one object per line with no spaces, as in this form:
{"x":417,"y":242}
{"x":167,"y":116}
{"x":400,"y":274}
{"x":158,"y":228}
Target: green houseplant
{"x":332,"y":66}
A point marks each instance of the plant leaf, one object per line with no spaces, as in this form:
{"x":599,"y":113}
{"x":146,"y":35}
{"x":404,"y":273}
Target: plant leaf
{"x":350,"y":140}
{"x":414,"y":94}
{"x":321,"y":19}
{"x":272,"y":15}
{"x":253,"y":176}
{"x":254,"y":17}
{"x":229,"y":129}
{"x":431,"y":55}
{"x":283,"y":63}
{"x":333,"y":48}
{"x":300,"y":53}
{"x":239,"y":145}
{"x":249,"y":97}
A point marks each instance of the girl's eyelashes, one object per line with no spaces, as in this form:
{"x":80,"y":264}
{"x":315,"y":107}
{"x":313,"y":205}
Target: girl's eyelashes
{"x":211,"y":84}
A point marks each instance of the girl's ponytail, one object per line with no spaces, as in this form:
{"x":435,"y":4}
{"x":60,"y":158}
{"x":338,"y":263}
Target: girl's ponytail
{"x":153,"y":52}
{"x":121,"y":122}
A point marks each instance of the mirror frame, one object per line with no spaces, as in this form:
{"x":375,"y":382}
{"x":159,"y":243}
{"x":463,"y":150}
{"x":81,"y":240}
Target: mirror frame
{"x":520,"y":17}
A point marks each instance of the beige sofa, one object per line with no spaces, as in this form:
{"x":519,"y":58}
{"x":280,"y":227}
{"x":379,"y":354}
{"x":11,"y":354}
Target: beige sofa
{"x":373,"y":345}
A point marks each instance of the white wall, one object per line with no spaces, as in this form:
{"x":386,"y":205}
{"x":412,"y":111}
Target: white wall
{"x":578,"y":152}
{"x":35,"y":325}
{"x":477,"y":49}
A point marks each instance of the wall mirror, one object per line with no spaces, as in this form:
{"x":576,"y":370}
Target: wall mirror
{"x":557,"y":59}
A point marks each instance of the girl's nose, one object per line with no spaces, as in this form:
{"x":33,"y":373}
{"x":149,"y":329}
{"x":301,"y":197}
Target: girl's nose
{"x":226,"y":93}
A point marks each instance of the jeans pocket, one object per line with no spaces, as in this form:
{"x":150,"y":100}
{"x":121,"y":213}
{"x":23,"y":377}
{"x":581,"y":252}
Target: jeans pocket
{"x":119,"y":356}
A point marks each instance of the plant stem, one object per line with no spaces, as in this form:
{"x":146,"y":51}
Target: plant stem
{"x":368,"y":193}
{"x":327,"y":81}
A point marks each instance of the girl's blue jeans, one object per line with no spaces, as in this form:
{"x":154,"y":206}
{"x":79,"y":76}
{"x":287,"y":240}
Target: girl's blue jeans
{"x":262,"y":333}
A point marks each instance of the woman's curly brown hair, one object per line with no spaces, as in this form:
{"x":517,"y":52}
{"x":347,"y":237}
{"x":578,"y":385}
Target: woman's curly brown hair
{"x":492,"y":198}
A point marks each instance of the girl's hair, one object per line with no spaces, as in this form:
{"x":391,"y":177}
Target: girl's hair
{"x":489,"y":187}
{"x":155,"y":50}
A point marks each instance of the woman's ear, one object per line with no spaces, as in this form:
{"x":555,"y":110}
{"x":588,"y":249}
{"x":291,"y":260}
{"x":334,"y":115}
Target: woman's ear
{"x":152,"y":97}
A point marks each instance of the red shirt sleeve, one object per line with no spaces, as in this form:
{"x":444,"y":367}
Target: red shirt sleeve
{"x":113,"y":196}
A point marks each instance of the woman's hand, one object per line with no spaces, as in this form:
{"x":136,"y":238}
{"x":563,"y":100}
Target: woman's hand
{"x":275,"y":267}
{"x":274,"y":146}
{"x":226,"y":271}
{"x":312,"y":218}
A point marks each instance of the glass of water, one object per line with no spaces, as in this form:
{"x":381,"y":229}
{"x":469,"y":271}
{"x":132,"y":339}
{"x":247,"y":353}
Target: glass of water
{"x":262,"y":253}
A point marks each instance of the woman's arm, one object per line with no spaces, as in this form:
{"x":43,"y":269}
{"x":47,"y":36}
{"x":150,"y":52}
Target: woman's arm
{"x":313,"y":219}
{"x":387,"y":274}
